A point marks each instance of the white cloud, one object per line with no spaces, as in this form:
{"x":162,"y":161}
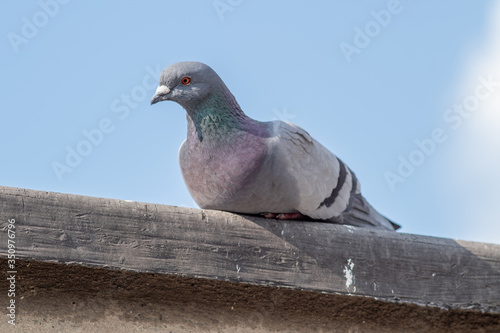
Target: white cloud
{"x":474,"y":170}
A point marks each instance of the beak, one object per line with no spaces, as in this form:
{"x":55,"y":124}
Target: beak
{"x":161,"y":94}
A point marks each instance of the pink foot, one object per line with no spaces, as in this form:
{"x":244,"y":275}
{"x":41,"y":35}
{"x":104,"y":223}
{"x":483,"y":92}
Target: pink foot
{"x":284,"y":216}
{"x":290,"y":216}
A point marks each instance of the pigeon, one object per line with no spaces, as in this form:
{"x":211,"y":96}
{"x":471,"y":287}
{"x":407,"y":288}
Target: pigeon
{"x":234,"y":163}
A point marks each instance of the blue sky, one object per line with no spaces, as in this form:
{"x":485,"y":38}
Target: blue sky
{"x":78,"y":78}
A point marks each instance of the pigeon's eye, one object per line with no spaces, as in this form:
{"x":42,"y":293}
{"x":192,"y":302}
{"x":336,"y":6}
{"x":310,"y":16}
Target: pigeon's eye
{"x":186,"y":80}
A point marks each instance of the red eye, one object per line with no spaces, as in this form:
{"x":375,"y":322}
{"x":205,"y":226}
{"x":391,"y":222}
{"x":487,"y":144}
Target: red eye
{"x":186,"y":80}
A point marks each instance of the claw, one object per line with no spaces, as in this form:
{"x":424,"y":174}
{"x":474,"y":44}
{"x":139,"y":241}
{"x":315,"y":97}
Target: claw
{"x":290,"y":216}
{"x":283,"y":216}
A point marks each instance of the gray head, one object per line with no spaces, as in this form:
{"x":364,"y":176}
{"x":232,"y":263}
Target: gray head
{"x":187,"y":83}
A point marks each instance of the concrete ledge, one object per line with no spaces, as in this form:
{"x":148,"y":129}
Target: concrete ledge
{"x":204,"y":244}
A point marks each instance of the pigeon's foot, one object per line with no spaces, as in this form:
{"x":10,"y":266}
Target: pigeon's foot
{"x":284,"y":216}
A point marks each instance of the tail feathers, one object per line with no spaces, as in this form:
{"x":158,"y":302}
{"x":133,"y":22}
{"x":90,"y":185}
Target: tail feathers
{"x":394,"y":224}
{"x":362,"y":214}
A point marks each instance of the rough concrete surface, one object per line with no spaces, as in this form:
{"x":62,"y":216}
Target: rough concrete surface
{"x":55,"y":297}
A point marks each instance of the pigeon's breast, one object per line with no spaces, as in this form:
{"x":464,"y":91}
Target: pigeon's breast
{"x":219,"y":176}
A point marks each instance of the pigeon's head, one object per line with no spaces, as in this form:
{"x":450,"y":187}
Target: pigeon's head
{"x":186,"y":83}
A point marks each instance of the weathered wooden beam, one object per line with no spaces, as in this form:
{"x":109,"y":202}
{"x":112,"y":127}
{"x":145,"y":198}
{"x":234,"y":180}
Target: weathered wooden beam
{"x":218,"y":245}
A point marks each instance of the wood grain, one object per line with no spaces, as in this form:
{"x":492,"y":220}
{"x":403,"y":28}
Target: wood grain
{"x":218,"y":245}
